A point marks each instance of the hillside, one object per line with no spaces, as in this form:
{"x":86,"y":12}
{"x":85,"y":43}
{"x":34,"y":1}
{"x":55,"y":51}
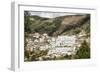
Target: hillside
{"x":58,"y":26}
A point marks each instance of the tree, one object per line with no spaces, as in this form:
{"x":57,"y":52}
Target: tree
{"x":84,"y":51}
{"x":27,"y":21}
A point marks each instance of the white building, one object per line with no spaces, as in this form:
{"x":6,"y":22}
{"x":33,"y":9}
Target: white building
{"x":62,"y":45}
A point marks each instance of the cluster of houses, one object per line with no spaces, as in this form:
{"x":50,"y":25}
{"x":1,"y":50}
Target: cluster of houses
{"x":56,"y":46}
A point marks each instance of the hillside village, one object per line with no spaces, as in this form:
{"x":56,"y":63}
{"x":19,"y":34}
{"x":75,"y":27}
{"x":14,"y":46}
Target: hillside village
{"x":57,"y":46}
{"x":56,"y":38}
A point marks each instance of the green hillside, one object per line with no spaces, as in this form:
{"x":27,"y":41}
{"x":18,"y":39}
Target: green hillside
{"x":71,"y":24}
